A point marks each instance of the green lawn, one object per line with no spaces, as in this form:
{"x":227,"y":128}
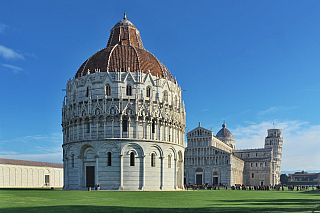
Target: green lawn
{"x":32,"y":200}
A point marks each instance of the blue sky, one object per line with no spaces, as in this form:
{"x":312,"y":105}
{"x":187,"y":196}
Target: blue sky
{"x":248,"y":63}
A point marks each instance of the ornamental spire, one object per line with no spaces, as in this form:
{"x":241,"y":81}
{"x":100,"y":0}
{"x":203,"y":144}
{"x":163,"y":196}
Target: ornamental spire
{"x":125,"y":15}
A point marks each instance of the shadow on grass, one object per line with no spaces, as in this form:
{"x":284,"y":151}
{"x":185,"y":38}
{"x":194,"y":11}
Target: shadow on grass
{"x":24,"y":189}
{"x":315,"y":192}
{"x":272,"y":205}
{"x":302,"y":202}
{"x":86,"y":208}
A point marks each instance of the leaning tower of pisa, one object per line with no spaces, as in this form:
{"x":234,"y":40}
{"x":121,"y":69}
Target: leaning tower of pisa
{"x":274,"y":140}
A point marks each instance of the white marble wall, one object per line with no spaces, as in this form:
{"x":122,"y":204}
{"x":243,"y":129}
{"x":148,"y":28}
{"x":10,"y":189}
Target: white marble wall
{"x":29,"y":176}
{"x":94,"y":121}
{"x":120,"y":175}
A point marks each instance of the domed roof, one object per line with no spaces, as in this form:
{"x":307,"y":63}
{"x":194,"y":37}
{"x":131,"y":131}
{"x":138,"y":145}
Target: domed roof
{"x":224,"y":132}
{"x":124,"y":22}
{"x":125,"y":53}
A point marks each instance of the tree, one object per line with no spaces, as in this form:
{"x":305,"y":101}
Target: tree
{"x":284,"y":179}
{"x":302,"y":172}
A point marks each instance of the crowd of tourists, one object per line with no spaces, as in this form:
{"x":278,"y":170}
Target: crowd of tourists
{"x":244,"y":187}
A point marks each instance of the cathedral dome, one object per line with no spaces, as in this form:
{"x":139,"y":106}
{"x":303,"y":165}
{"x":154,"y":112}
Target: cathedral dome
{"x":124,"y":53}
{"x":224,"y":132}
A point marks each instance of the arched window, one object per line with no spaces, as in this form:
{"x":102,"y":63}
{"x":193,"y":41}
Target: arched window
{"x":124,"y":125}
{"x":132,"y":159}
{"x":109,"y":158}
{"x":88,"y":127}
{"x":169,"y":161}
{"x":165,"y":96}
{"x":129,"y":90}
{"x":148,"y":92}
{"x":88,"y":91}
{"x":252,"y":175}
{"x":153,"y":160}
{"x":72,"y":160}
{"x":153,"y":126}
{"x":108,"y":90}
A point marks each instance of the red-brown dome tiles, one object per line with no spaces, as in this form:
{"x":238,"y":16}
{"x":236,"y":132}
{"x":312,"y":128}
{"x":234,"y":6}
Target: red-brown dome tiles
{"x":124,"y":52}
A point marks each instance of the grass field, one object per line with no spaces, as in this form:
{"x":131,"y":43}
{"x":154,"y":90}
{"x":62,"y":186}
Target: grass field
{"x":41,"y":200}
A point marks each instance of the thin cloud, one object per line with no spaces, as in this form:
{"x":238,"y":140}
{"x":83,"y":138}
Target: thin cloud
{"x":8,"y":53}
{"x":45,"y":148}
{"x":2,"y":28}
{"x":270,"y":110}
{"x":53,"y":138}
{"x":14,"y":69}
{"x":276,"y":109}
{"x":8,"y":153}
{"x":31,"y":55}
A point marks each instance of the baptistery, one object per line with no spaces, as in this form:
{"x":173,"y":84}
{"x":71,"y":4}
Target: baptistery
{"x":123,"y":119}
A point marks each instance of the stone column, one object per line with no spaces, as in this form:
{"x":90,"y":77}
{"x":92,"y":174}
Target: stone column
{"x":169,"y":133}
{"x":73,"y":129}
{"x":143,"y":172}
{"x":143,"y":129}
{"x":121,"y":173}
{"x":120,"y":127}
{"x":161,"y":172}
{"x":96,"y":169}
{"x":112,"y":135}
{"x":97,"y":128}
{"x":81,"y":181}
{"x":155,"y":134}
{"x":137,"y":125}
{"x":69,"y":130}
{"x":104,"y":128}
{"x":175,"y":173}
{"x":90,"y":125}
{"x":65,"y":170}
{"x":128,"y":130}
{"x":150,"y":129}
{"x":83,"y":129}
{"x":166,"y":132}
{"x":78,"y":129}
{"x":159,"y":133}
{"x":175,"y":134}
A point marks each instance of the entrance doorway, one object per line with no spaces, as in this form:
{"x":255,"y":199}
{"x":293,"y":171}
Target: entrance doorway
{"x":215,"y":181}
{"x":199,"y":179}
{"x":90,"y":176}
{"x":261,"y":183}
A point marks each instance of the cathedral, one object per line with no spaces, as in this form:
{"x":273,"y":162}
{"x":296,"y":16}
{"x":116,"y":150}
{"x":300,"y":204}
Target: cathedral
{"x":123,"y":119}
{"x":213,"y":159}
